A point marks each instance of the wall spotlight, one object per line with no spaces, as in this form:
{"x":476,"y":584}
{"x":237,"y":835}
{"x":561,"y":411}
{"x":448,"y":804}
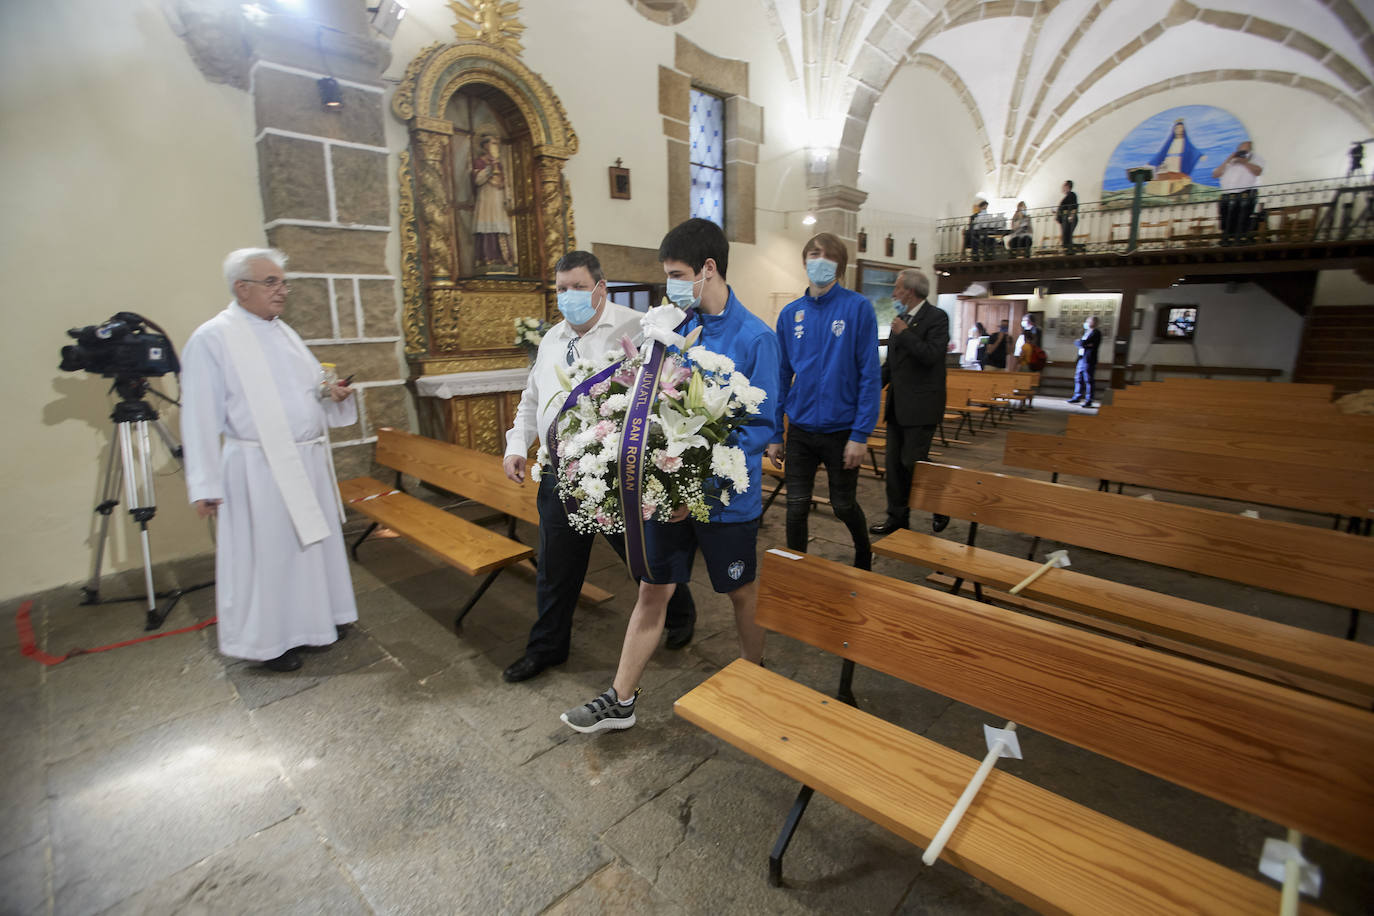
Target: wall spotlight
{"x":387,"y":15}
{"x":330,"y":93}
{"x":809,"y":219}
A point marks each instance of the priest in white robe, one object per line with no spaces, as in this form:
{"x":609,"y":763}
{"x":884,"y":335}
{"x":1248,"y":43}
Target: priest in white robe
{"x":255,"y":410}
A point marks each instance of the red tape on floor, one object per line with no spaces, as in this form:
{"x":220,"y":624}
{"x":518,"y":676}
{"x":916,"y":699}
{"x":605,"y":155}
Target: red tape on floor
{"x":29,"y":646}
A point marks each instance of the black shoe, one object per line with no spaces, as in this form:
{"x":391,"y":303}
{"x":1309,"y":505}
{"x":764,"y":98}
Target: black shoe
{"x":939,"y":522}
{"x":289,"y":660}
{"x":1073,"y":400}
{"x":679,"y":638}
{"x":341,"y":630}
{"x":522,"y":669}
{"x":1088,"y":405}
{"x":886,"y":527}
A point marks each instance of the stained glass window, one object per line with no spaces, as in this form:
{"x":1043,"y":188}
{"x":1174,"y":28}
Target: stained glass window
{"x":708,"y":157}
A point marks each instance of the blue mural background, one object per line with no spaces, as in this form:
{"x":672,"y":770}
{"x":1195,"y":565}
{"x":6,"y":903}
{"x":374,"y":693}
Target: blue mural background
{"x":1214,"y":131}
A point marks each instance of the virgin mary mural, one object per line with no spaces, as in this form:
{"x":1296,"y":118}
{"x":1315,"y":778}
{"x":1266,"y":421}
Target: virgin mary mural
{"x":1182,"y":144}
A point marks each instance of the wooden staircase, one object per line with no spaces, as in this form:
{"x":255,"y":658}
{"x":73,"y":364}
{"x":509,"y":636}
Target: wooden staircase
{"x":1338,"y":348}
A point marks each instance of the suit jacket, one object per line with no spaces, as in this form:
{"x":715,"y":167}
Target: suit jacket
{"x":915,"y":369}
{"x":1088,"y":345}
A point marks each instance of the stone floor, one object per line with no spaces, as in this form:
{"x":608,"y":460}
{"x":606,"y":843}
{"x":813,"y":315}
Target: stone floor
{"x":396,"y":772}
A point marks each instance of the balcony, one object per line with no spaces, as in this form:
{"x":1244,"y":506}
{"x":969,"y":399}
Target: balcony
{"x":1294,"y":226}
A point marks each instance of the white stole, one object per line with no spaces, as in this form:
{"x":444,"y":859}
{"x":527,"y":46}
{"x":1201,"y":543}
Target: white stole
{"x":283,"y":455}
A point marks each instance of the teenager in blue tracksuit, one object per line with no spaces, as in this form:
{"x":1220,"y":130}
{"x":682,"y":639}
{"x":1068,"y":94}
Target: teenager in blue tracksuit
{"x":831,"y":391}
{"x":695,"y":256}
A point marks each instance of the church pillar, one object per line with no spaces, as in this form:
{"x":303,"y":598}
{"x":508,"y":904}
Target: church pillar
{"x":323,"y":177}
{"x":835,"y":203}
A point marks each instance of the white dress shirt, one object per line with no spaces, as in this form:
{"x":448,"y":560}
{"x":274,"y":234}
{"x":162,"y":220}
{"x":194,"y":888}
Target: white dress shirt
{"x":538,"y":405}
{"x":1236,"y":177}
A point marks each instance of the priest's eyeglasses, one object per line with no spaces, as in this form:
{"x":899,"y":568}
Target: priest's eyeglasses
{"x":272,"y":283}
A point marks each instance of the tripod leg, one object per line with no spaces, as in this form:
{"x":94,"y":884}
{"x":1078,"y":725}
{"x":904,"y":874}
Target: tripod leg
{"x":168,"y":439}
{"x":109,"y":498}
{"x":138,"y":490}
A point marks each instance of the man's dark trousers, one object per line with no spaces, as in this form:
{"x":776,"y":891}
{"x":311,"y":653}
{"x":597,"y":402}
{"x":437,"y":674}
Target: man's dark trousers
{"x":806,"y":451}
{"x":906,"y":445}
{"x":563,"y":556}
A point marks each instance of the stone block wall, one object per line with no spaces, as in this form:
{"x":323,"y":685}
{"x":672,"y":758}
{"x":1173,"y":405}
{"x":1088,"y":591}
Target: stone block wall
{"x":323,"y":179}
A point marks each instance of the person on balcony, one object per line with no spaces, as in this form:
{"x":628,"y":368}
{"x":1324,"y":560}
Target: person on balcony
{"x":1019,"y":241}
{"x":1067,"y":216}
{"x":1239,"y":176}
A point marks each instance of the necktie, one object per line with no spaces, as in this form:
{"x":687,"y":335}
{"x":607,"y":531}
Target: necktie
{"x":572,"y":353}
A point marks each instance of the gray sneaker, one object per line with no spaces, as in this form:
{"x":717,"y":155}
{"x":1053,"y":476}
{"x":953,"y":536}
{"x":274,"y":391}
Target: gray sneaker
{"x":602,"y":713}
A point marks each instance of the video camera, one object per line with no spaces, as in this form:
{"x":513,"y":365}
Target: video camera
{"x":125,"y":346}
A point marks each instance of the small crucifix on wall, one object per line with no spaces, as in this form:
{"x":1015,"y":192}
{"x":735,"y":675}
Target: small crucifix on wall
{"x":620,"y":181}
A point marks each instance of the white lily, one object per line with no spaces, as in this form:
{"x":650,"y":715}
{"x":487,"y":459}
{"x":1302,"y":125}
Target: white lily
{"x":680,"y":429}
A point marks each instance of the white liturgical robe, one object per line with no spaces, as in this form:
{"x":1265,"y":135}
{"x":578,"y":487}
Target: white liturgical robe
{"x":273,"y":592}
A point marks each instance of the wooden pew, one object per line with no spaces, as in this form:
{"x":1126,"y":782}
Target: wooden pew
{"x":1290,"y":559}
{"x":1307,"y":766}
{"x":1335,"y":668}
{"x":957,"y":406}
{"x":1341,"y":428}
{"x":470,"y":474}
{"x":1209,"y":371}
{"x":1275,"y":409}
{"x":1265,"y":444}
{"x":1293,"y":486}
{"x":1318,"y":391}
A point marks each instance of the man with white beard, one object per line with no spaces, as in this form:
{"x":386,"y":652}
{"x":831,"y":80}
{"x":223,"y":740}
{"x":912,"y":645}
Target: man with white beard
{"x":282,"y":578}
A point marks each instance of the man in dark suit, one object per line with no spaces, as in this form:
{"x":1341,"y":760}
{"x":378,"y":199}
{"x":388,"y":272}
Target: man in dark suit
{"x":915,"y":376}
{"x":1086,"y":368}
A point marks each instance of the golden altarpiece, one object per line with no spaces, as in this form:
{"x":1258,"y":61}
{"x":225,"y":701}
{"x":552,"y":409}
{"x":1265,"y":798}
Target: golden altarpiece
{"x":485,"y":215}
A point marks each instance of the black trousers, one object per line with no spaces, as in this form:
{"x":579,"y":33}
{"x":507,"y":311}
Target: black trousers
{"x":1066,"y":228}
{"x":806,"y":452}
{"x":563,"y":556}
{"x":1234,"y":210}
{"x":906,"y":445}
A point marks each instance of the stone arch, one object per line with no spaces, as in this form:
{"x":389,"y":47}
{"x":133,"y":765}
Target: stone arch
{"x":948,"y":74}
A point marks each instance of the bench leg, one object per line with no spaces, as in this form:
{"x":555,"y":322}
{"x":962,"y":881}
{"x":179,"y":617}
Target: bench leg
{"x":772,"y":496}
{"x":789,"y":827}
{"x":1030,"y":554}
{"x":846,"y":692}
{"x":481,"y":589}
{"x":359,"y":542}
{"x":1354,"y":627}
{"x":940,"y":428}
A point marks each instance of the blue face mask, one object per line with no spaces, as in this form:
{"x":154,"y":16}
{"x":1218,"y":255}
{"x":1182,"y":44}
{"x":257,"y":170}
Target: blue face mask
{"x":820,"y":271}
{"x":576,"y":305}
{"x":683,"y":293}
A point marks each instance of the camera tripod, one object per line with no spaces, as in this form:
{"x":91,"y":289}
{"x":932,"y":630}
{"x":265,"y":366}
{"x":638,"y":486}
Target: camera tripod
{"x":132,"y":444}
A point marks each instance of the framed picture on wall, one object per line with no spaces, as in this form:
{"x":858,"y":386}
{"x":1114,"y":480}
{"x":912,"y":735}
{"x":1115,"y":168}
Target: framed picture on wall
{"x":875,"y":282}
{"x":1175,"y":323}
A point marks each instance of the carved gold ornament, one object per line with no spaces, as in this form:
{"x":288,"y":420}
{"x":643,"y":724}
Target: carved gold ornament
{"x":492,"y":22}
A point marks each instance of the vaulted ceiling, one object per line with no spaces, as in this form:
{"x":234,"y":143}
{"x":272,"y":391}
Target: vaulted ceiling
{"x":1032,"y":73}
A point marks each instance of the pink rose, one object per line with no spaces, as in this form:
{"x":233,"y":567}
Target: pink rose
{"x":668,"y":463}
{"x":648,"y":510}
{"x":601,"y":389}
{"x":570,"y":470}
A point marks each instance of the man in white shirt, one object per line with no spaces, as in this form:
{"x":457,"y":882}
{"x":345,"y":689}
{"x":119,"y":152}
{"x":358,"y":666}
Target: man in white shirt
{"x":281,"y":574}
{"x":1239,"y":176}
{"x":592,"y":326}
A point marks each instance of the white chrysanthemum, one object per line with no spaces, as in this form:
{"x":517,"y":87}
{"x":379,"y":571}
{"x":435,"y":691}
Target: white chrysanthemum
{"x":594,"y":487}
{"x":710,"y":361}
{"x":729,"y":462}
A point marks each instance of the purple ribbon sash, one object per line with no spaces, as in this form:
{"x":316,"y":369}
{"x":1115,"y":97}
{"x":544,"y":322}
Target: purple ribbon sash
{"x":633,"y":451}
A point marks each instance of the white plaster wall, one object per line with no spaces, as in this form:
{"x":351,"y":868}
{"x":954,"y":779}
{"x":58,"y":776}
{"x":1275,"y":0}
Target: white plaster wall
{"x":1342,"y":287}
{"x":1300,"y":136}
{"x":921,"y":161}
{"x":1247,"y":327}
{"x":126,"y":178}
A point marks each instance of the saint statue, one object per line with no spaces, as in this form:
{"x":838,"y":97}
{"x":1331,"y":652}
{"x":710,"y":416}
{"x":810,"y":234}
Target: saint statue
{"x":1174,"y":162}
{"x":491,"y":228}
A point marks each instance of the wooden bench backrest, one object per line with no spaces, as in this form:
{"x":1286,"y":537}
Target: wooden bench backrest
{"x":1297,"y":759}
{"x":470,"y":474}
{"x":1297,"y":408}
{"x":1272,"y":483}
{"x":1341,"y":428}
{"x":1301,"y":560}
{"x":957,"y":397}
{"x":1266,"y":444}
{"x":1315,"y":390}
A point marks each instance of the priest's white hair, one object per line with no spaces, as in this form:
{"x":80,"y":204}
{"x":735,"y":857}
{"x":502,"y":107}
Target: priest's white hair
{"x":236,"y":264}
